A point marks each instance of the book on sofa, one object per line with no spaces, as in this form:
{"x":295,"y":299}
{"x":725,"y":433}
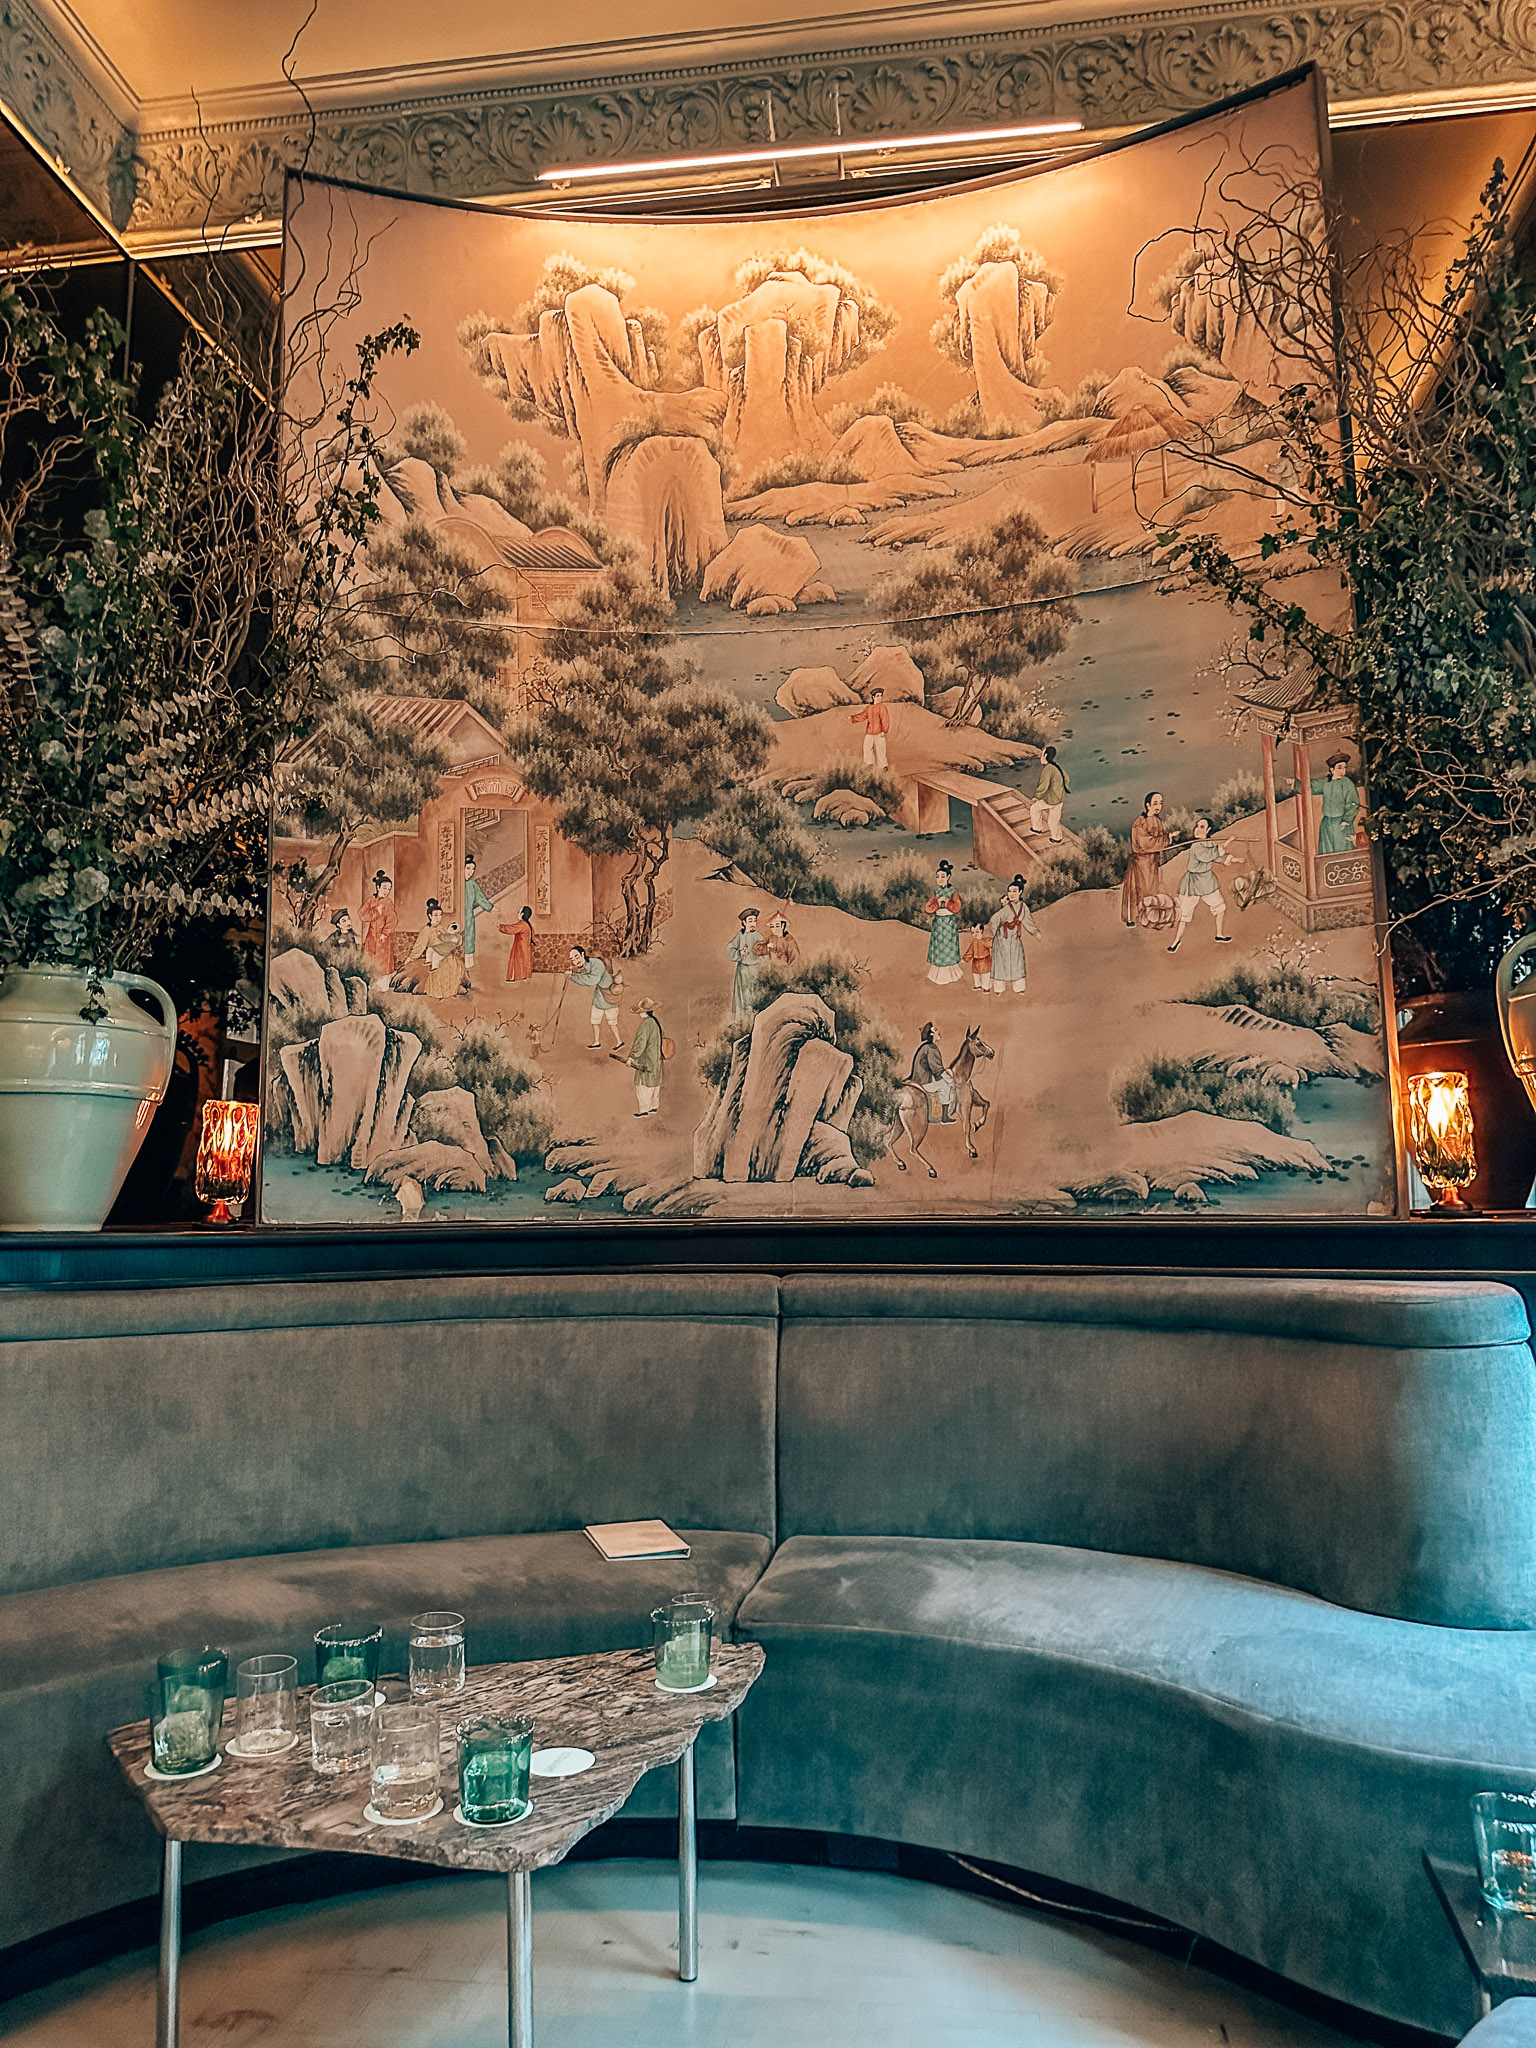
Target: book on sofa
{"x":620,"y":1540}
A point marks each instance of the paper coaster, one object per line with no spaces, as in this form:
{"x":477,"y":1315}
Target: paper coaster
{"x":679,"y":1689}
{"x":371,"y":1812}
{"x":259,"y":1756}
{"x":180,"y":1777}
{"x":490,"y":1827}
{"x":560,"y":1763}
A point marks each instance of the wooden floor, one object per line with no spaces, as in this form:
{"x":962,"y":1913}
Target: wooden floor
{"x":791,"y":1957}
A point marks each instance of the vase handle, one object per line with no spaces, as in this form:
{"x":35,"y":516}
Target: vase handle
{"x":167,"y":1013}
{"x":1504,"y":984}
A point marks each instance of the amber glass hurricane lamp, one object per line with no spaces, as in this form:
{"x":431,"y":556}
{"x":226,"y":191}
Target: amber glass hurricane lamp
{"x":226,"y":1156}
{"x":1440,"y":1135}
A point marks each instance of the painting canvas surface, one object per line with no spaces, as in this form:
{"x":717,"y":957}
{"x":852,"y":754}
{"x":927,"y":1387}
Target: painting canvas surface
{"x":795,"y":789}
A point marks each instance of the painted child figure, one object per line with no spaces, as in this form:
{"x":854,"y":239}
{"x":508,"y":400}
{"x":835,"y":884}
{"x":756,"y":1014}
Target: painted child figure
{"x":520,"y":952}
{"x":978,"y":956}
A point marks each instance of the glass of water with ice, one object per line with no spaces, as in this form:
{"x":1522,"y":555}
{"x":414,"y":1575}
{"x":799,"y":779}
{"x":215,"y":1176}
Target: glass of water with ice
{"x":437,"y":1655}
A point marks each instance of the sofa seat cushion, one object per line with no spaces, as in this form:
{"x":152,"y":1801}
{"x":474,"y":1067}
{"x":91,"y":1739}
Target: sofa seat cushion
{"x":78,"y":1661}
{"x":1239,"y":1757}
{"x":1240,"y":1644}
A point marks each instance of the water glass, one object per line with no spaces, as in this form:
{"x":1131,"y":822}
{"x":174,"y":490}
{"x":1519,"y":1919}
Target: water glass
{"x":266,"y":1705}
{"x":405,"y":1761}
{"x":1505,"y":1826}
{"x":681,"y":1633}
{"x":340,"y":1726}
{"x":437,"y":1655}
{"x":188,"y":1709}
{"x":343,"y":1652}
{"x":495,"y":1752}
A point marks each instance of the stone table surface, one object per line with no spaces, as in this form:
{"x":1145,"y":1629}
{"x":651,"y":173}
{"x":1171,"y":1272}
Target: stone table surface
{"x":609,"y":1704}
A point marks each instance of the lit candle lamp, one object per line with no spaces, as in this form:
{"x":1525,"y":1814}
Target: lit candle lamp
{"x":226,"y":1156}
{"x":1440,"y":1135}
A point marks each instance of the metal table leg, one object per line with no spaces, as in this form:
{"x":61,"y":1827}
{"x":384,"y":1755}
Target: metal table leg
{"x":168,"y":1990}
{"x":687,"y":1868}
{"x":519,"y":1960}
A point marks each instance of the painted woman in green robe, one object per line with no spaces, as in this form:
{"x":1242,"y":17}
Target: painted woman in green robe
{"x":747,"y":950}
{"x":1341,"y":807}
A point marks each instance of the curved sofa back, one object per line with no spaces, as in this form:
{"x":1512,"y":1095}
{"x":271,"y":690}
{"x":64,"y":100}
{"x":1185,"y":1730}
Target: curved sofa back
{"x":183,"y":1425}
{"x":1363,"y":1441}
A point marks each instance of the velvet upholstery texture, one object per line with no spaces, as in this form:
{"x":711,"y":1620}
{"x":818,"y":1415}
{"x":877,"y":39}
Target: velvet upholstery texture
{"x":236,"y":1421}
{"x":1215,"y":1595}
{"x":78,"y":1660}
{"x":1208,"y":1421}
{"x":1247,"y":1760}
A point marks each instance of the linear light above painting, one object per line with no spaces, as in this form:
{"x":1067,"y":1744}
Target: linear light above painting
{"x":970,"y":139}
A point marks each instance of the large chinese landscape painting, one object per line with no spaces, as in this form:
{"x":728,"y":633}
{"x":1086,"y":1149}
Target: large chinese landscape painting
{"x":781,"y":779}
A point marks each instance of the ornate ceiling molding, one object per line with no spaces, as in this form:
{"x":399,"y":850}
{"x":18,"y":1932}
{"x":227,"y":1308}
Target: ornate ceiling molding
{"x":67,"y":110}
{"x":1110,"y":72}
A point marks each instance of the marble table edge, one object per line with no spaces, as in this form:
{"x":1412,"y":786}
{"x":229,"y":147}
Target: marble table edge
{"x":281,"y":1804}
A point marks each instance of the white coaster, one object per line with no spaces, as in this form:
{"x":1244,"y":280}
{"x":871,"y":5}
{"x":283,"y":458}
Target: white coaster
{"x":371,"y":1812}
{"x":560,"y":1763}
{"x":710,"y":1681}
{"x":490,"y":1827}
{"x":259,"y":1756}
{"x":180,"y":1777}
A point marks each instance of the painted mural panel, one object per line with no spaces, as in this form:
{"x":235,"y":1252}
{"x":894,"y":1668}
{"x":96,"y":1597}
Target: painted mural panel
{"x":800,"y":793}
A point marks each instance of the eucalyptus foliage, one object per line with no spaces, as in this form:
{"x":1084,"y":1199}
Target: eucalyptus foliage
{"x":169,"y":618}
{"x":1424,"y":503}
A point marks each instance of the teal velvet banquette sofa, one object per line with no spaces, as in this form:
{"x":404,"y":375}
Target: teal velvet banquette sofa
{"x":1215,"y":1596}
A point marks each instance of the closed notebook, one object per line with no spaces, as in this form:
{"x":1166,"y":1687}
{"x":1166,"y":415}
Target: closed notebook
{"x":619,"y":1540}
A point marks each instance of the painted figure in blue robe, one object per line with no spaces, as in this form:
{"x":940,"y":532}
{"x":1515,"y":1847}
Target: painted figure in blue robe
{"x":475,"y":900}
{"x":748,"y":950}
{"x":1341,"y":807}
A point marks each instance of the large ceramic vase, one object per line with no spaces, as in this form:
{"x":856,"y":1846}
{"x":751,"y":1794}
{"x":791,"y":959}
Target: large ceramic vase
{"x":1517,"y":1014}
{"x":75,"y":1097}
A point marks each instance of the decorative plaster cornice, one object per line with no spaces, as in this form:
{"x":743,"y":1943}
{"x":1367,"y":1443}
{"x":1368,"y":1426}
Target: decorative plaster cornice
{"x":69,"y":111}
{"x":490,"y":137}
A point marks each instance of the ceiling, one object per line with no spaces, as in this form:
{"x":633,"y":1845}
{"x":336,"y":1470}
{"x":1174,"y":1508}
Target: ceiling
{"x":161,"y":53}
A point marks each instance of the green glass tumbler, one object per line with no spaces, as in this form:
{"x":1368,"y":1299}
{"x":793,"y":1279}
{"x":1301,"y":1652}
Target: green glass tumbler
{"x":1504,"y":1827}
{"x":495,"y":1753}
{"x":188,"y":1709}
{"x":681,"y":1633}
{"x":343,"y":1652}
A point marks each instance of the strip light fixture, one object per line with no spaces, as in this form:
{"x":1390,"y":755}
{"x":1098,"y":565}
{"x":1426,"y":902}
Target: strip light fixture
{"x":776,"y":153}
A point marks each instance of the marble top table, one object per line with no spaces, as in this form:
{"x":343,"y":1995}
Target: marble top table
{"x":609,"y":1704}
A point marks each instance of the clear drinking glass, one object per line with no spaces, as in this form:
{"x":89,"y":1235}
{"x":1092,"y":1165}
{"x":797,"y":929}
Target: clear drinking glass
{"x":340,"y":1726}
{"x":266,"y":1706}
{"x":188,"y":1709}
{"x":343,"y":1652}
{"x":437,"y":1655}
{"x":681,"y":1633}
{"x":495,"y":1751}
{"x":1505,"y":1826}
{"x":405,"y":1761}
